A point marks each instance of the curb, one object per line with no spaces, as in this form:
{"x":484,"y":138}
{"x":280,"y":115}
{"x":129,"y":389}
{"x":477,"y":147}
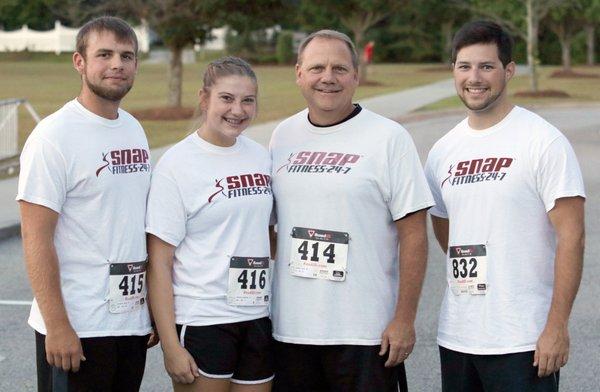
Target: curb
{"x":12,"y":229}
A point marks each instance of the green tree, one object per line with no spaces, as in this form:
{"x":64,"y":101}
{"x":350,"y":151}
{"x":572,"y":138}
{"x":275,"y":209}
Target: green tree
{"x":591,"y":16}
{"x":522,"y":18}
{"x":564,"y":20}
{"x":179,"y":23}
{"x":356,"y":16}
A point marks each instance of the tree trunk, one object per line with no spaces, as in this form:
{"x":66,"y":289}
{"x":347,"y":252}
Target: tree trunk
{"x":565,"y":45}
{"x":447,"y":41}
{"x":362,"y":63}
{"x":590,"y":33}
{"x":532,"y":43}
{"x":175,"y":77}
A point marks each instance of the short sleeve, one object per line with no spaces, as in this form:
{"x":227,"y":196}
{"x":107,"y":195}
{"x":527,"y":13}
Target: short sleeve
{"x":43,"y":175}
{"x":408,"y":188}
{"x":558,"y":173}
{"x":165,"y":214}
{"x":439,"y":209}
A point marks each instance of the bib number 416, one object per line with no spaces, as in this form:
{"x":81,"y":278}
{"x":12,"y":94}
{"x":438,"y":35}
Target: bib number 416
{"x":243,"y":279}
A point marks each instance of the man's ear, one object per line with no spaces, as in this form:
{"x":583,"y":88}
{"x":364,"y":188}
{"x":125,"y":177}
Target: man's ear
{"x":78,"y":62}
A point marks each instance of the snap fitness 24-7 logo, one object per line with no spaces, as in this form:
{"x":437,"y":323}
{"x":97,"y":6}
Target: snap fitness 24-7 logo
{"x":477,"y":170}
{"x":242,"y":185}
{"x":319,"y":162}
{"x":125,"y":161}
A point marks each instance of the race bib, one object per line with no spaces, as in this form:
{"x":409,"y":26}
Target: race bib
{"x":127,"y":286}
{"x":467,"y":269}
{"x":319,"y":254}
{"x":249,"y":281}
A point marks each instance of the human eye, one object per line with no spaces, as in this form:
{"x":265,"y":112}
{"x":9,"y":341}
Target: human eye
{"x":340,"y":69}
{"x":226,"y":98}
{"x":316,"y":68}
{"x":128,"y":56}
{"x":249,"y":100}
{"x":487,"y":67}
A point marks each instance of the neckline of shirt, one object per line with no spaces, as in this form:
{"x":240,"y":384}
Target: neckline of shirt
{"x":94,"y":117}
{"x":325,"y":130}
{"x":494,"y":128}
{"x":207,"y":146}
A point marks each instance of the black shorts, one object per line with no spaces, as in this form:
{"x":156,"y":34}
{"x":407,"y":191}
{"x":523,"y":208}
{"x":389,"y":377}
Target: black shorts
{"x":113,"y":364}
{"x":515,"y":372}
{"x":339,"y":368}
{"x":241,"y":352}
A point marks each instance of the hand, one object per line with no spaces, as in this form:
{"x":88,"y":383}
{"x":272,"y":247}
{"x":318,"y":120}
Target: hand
{"x":399,"y":338}
{"x":153,"y":339}
{"x":180,"y":365}
{"x":63,"y":349}
{"x":552,"y":350}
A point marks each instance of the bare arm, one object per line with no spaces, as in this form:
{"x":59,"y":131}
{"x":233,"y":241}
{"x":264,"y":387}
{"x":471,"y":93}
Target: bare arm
{"x":567,"y":217}
{"x":273,"y":241}
{"x":63,"y":348}
{"x":399,"y":336}
{"x":441,"y":230}
{"x":178,"y":362}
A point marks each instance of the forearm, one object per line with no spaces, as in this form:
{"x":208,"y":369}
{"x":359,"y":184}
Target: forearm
{"x":413,"y":263}
{"x":412,"y":237}
{"x":42,"y":265}
{"x":568,"y":266}
{"x":567,"y":218}
{"x":273,"y":241}
{"x":160,"y":293}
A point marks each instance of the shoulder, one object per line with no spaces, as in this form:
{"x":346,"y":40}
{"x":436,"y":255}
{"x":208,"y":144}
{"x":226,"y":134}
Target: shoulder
{"x":539,"y":126}
{"x":253,"y":147}
{"x":130,"y":122}
{"x":291,"y":122}
{"x":449,"y":138}
{"x":175,"y":156}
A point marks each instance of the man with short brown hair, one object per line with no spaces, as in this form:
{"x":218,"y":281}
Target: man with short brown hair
{"x":85,"y":173}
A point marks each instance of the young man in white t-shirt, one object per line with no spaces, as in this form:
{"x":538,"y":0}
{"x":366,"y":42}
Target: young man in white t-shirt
{"x":349,"y":190}
{"x":509,"y":215}
{"x":85,"y":173}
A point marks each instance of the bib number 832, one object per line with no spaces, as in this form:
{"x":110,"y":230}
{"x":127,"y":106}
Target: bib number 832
{"x":459,"y":268}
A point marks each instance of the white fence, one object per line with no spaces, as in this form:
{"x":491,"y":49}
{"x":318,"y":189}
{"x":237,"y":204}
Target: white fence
{"x":9,"y":125}
{"x":61,"y":39}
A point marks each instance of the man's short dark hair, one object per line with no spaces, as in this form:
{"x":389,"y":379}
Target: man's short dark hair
{"x":121,"y":29}
{"x":483,"y":32}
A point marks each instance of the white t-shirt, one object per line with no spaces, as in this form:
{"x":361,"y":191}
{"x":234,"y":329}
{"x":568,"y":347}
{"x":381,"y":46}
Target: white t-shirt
{"x":355,"y":178}
{"x":212,"y":203}
{"x":496,"y":187}
{"x":95,"y":173}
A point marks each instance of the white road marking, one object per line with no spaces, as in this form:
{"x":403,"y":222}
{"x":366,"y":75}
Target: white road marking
{"x":14,"y":303}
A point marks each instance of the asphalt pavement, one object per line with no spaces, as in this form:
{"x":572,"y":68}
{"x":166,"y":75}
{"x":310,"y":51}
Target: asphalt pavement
{"x":582,"y":127}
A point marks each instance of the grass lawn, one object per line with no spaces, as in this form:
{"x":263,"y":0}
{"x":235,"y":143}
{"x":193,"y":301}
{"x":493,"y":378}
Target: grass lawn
{"x":48,"y":85}
{"x":580,"y":90}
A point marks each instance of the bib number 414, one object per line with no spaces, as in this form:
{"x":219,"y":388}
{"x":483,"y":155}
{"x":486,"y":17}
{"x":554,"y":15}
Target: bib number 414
{"x":319,"y":254}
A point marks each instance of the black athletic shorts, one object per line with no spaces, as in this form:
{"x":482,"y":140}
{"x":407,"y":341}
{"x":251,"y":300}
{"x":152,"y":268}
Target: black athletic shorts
{"x":338,"y":368}
{"x":463,"y":372}
{"x":113,"y":364}
{"x":242,"y":352}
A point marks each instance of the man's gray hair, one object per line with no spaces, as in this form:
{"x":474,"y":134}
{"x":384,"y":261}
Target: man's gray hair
{"x":329,"y":34}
